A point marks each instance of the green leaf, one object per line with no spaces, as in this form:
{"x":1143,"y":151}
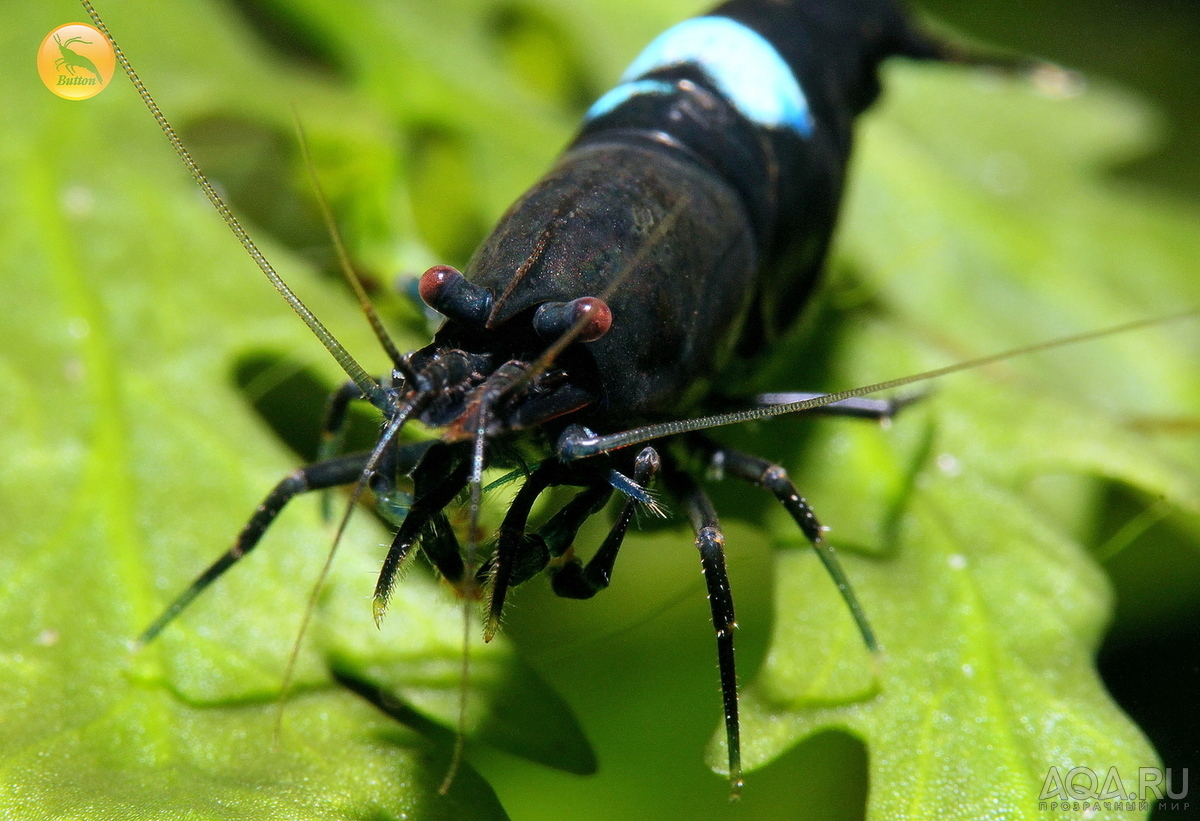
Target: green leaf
{"x":980,"y":218}
{"x":980,"y":222}
{"x":132,"y":458}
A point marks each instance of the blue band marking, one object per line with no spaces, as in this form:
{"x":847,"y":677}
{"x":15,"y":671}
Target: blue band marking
{"x":623,"y":92}
{"x":739,"y":62}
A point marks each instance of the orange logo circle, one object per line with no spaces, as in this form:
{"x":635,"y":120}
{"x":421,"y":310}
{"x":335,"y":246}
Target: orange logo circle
{"x":76,"y":61}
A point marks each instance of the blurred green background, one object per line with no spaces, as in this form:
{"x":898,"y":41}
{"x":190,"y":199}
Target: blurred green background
{"x":1146,"y":46}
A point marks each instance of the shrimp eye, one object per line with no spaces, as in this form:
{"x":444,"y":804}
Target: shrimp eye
{"x":553,"y":319}
{"x":455,"y":297}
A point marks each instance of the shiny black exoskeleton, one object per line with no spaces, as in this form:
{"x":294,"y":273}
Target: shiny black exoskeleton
{"x":686,"y":225}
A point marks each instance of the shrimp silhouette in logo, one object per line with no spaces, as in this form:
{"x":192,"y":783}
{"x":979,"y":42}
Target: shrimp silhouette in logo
{"x":72,"y":59}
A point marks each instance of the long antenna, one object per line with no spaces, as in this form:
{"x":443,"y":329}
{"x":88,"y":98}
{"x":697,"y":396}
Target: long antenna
{"x":582,"y":446}
{"x":348,"y":272}
{"x":369,"y":387}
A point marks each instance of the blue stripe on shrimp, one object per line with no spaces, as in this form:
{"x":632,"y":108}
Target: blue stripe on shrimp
{"x":740,"y":63}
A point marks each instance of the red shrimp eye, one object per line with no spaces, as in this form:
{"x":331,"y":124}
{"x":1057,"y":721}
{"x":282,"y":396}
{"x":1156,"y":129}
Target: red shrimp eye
{"x":553,"y":319}
{"x":436,"y":282}
{"x":455,"y":297}
{"x":599,"y":317}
